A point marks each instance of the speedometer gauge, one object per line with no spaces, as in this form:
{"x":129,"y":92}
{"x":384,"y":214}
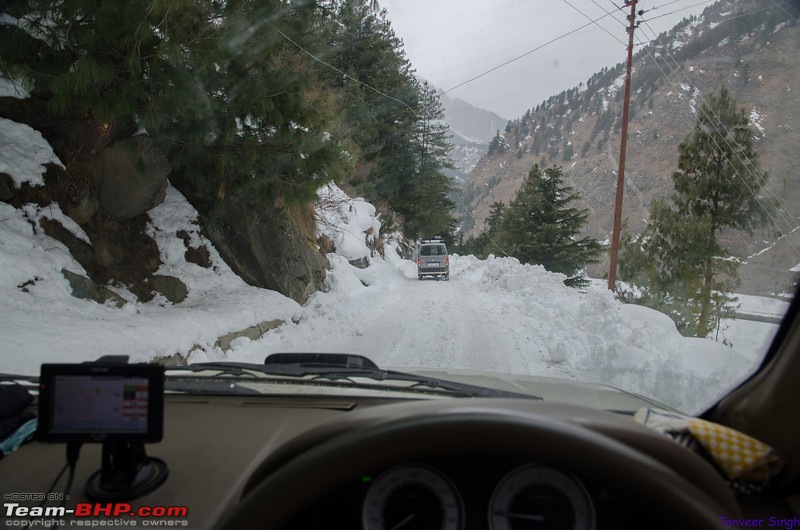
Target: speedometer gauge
{"x":412,"y":496}
{"x":536,"y":497}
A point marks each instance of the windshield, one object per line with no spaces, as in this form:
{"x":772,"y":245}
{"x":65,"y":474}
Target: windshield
{"x":432,"y":250}
{"x":615,"y":186}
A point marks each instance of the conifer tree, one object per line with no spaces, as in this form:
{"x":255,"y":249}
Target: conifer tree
{"x":487,"y":242}
{"x":540,"y":227}
{"x":424,"y":194}
{"x":679,"y":261}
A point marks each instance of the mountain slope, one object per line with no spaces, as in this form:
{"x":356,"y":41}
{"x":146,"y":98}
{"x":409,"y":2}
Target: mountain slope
{"x":471,"y":129}
{"x":750,"y":49}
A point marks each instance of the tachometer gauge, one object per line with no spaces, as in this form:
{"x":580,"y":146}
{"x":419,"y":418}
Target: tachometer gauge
{"x":412,"y":496}
{"x":535,"y":497}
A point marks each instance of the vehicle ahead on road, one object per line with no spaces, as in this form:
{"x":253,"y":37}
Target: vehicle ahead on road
{"x":433,"y":260}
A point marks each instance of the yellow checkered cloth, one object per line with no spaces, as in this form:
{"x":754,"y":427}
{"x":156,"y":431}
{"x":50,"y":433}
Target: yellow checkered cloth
{"x":738,"y":455}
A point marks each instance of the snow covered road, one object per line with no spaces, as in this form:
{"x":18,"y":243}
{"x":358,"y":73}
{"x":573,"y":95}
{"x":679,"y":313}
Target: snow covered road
{"x":438,"y":324}
{"x":498,"y":315}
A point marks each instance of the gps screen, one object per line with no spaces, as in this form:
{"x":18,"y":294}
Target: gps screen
{"x":91,"y":403}
{"x":95,"y":403}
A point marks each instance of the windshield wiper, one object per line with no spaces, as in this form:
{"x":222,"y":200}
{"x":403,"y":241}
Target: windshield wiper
{"x":312,"y":368}
{"x":28,"y":381}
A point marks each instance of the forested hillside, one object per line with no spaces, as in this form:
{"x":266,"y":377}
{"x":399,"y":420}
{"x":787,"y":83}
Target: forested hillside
{"x":748,"y":47}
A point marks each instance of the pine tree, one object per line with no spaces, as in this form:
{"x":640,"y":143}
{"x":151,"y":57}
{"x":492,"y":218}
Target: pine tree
{"x":540,"y":227}
{"x":498,"y":145}
{"x":679,"y":260}
{"x":424,"y":194}
{"x":487,"y":242}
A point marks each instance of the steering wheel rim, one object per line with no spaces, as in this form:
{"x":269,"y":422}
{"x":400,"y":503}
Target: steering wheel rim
{"x":296,"y":484}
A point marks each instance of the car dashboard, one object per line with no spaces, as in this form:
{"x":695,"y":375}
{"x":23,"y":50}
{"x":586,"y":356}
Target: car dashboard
{"x":336,"y":461}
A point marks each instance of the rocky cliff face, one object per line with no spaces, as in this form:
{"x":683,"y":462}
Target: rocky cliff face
{"x":266,"y":248}
{"x":579,"y":130}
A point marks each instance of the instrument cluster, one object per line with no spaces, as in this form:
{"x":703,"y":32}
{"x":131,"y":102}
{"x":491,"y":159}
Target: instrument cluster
{"x":462,"y":494}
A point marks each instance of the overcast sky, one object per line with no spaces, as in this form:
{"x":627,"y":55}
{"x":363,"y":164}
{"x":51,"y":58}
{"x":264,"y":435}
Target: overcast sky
{"x":451,"y":41}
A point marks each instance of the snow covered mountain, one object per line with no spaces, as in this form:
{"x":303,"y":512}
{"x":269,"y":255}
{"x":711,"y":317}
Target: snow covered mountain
{"x":472,"y":129}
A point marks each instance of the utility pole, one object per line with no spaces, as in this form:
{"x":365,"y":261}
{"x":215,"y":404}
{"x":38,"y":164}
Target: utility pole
{"x":612,"y":273}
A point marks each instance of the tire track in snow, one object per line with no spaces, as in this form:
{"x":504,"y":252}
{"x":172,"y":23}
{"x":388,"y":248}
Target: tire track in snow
{"x":439,"y":324}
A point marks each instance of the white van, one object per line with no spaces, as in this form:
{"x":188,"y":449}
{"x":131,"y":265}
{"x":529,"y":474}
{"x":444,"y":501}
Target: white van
{"x":432,"y":259}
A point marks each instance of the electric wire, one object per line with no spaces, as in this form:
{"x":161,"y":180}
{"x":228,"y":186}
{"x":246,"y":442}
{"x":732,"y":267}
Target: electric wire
{"x":487,"y":72}
{"x":347,"y":76}
{"x":621,"y":22}
{"x":73,"y":451}
{"x":677,"y":64}
{"x":529,"y":52}
{"x":664,"y":5}
{"x":596,"y":23}
{"x":776,"y":4}
{"x":517,"y":58}
{"x":682,"y":9}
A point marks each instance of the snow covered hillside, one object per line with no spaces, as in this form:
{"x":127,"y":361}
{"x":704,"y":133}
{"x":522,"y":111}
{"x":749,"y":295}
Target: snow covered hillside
{"x":494,"y":315}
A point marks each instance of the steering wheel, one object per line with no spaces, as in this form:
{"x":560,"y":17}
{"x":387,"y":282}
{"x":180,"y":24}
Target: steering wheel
{"x":287,"y":487}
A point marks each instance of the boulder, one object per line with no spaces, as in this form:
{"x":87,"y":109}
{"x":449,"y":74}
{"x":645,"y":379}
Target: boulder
{"x":172,"y":288}
{"x":78,"y":248}
{"x":83,"y":209}
{"x":265,"y":248}
{"x":130,"y":177}
{"x":84,"y":288}
{"x":123,"y":252}
{"x":6,"y":187}
{"x":361,"y":263}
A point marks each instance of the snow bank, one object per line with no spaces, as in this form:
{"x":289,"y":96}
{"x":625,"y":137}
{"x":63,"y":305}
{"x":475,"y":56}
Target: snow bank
{"x":593,"y":337}
{"x":350,"y":223}
{"x":11,"y":89}
{"x":24,"y":153}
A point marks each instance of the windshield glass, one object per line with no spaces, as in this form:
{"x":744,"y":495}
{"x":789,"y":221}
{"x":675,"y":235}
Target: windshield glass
{"x":432,"y":250}
{"x":613,"y":187}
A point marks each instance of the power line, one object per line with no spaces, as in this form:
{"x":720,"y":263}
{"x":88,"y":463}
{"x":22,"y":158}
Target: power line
{"x":775,"y":3}
{"x":517,"y":58}
{"x":609,"y":13}
{"x":681,"y":9}
{"x":662,"y":5}
{"x":595,"y":23}
{"x":370,"y":87}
